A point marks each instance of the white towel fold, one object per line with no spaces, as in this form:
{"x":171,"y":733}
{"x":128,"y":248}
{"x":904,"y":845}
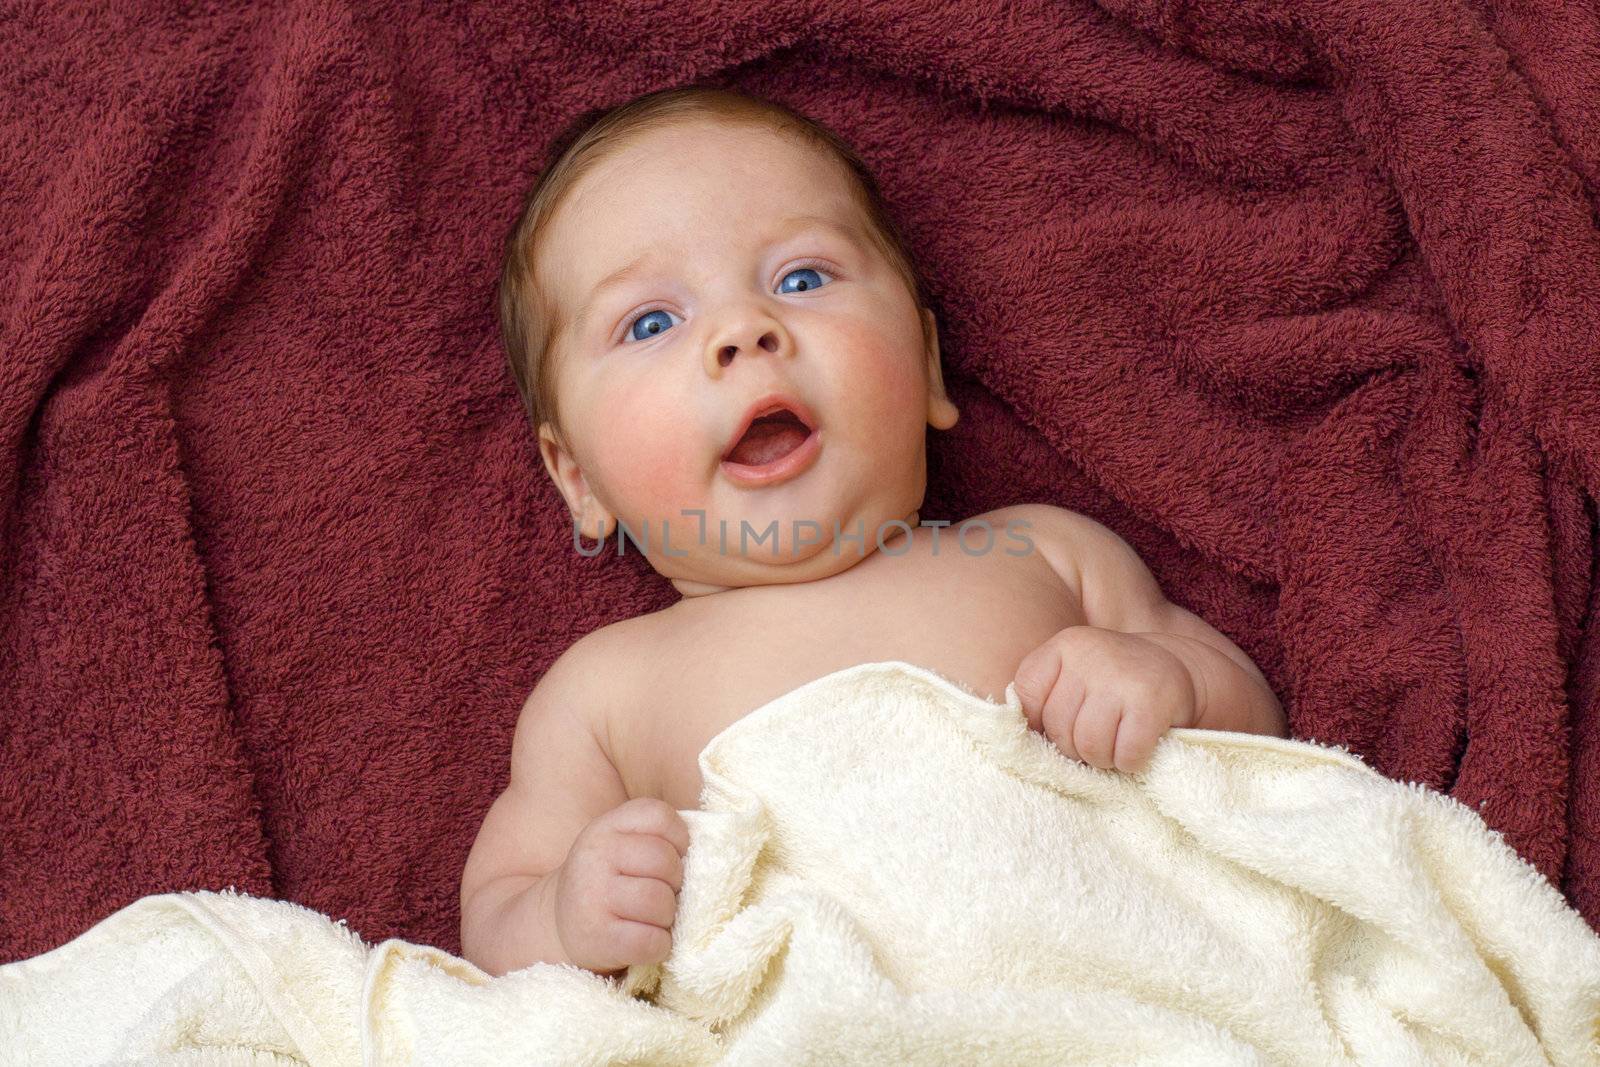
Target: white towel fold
{"x":887,"y":869}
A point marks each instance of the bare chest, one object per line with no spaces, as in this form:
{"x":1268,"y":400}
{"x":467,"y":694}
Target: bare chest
{"x":970,"y":619}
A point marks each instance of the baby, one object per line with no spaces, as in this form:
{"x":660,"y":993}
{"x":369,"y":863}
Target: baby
{"x":722,"y":344}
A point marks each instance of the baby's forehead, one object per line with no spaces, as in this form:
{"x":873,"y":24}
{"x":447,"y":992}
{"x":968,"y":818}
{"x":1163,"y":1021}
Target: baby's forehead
{"x":715,"y":153}
{"x":693,"y":177}
{"x":701,"y":128}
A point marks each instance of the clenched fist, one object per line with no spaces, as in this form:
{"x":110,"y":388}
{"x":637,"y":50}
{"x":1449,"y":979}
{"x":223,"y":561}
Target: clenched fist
{"x":616,"y":894}
{"x":1105,"y":697}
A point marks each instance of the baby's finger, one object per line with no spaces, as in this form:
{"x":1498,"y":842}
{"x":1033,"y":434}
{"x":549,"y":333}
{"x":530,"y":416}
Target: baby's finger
{"x":651,"y":815}
{"x":1061,"y":710}
{"x":643,"y":942}
{"x":645,"y":900}
{"x":1136,"y":740}
{"x":1094,"y":733}
{"x":649,"y":856}
{"x":1035,"y":679}
{"x":1061,"y":733}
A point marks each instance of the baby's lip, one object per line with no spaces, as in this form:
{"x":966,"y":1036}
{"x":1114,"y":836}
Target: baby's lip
{"x":790,"y":465}
{"x":766,"y":405}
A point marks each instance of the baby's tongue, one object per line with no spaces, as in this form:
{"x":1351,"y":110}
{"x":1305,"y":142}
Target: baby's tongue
{"x":766,"y":442}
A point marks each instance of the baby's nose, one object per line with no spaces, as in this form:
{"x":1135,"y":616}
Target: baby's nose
{"x":767,"y":341}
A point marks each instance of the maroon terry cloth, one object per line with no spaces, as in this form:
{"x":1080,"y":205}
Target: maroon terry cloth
{"x":1299,"y":298}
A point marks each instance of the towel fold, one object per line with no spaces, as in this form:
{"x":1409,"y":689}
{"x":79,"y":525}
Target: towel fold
{"x":886,"y":868}
{"x":1297,"y":296}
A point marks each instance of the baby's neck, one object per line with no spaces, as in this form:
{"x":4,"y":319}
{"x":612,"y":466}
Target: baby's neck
{"x":688,"y":588}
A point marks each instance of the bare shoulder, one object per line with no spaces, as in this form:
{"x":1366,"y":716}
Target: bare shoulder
{"x":594,"y":676}
{"x":1073,"y":543}
{"x":1047,"y":515}
{"x":1109,"y":575}
{"x":571,"y":675}
{"x":1052,"y":531}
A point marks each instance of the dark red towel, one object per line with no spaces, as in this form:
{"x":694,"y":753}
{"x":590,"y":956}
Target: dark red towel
{"x":1301,"y":299}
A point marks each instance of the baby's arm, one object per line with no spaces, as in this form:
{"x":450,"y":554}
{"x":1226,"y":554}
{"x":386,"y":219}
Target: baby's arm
{"x":561,"y":778}
{"x":1166,"y":655}
{"x":566,"y":869}
{"x":1119,"y":593}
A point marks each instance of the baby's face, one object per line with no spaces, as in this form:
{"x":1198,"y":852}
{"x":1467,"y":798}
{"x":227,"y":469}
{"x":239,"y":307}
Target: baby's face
{"x":704,"y":269}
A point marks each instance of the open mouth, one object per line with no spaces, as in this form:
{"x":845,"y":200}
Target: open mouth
{"x":775,"y":445}
{"x":769,"y":438}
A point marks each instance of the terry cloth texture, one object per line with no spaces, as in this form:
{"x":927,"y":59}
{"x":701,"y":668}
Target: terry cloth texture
{"x":886,"y":869}
{"x":1297,"y":297}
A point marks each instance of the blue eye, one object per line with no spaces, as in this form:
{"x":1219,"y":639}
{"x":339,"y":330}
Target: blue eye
{"x":808,"y":278}
{"x":652,"y":323}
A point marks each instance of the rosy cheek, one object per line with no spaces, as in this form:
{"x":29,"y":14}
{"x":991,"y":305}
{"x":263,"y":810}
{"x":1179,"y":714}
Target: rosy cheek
{"x":646,"y":455}
{"x":890,"y":381}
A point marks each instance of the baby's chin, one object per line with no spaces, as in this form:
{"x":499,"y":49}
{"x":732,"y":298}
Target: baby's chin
{"x":768,"y":567}
{"x":814,"y":527}
{"x":807,"y":554}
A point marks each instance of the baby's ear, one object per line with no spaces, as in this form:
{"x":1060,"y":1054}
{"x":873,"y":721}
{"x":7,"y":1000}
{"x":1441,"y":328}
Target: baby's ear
{"x":942,"y":414}
{"x":593,"y":519}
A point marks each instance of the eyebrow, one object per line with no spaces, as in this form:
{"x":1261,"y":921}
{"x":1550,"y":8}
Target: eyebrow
{"x":787,"y":228}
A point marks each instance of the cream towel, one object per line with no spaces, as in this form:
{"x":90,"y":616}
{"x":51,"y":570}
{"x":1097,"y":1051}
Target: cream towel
{"x":887,"y":869}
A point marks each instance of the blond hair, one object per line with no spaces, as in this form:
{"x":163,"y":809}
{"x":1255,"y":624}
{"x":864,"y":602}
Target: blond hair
{"x":528,"y":321}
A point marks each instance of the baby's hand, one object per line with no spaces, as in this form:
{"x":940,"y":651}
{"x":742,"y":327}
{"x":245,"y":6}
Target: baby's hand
{"x":616,"y":893}
{"x":1103,"y":696}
